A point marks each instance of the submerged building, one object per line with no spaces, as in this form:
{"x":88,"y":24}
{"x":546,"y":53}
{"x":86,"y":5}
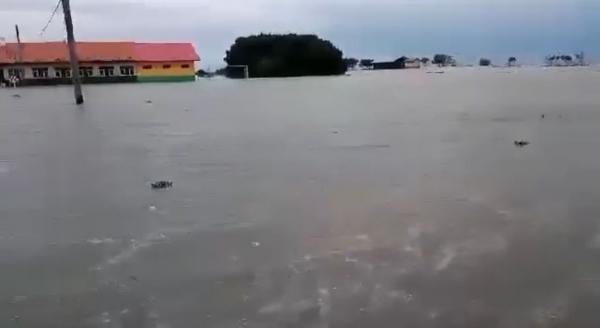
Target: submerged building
{"x":400,"y":63}
{"x":47,"y":63}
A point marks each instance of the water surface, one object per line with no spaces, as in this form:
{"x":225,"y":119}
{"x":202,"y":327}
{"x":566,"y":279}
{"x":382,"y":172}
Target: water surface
{"x":381,"y":199}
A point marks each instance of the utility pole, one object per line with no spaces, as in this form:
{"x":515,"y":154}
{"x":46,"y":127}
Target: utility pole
{"x":18,"y":58}
{"x":18,"y":44}
{"x":72,"y":53}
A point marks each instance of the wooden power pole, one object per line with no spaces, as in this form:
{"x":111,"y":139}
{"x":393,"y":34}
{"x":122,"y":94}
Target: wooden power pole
{"x":72,"y":52}
{"x":18,"y":44}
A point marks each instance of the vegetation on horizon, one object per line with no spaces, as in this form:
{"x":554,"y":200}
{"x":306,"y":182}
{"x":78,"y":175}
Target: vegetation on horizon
{"x":443,"y":60}
{"x":485,"y":62}
{"x":283,"y":55}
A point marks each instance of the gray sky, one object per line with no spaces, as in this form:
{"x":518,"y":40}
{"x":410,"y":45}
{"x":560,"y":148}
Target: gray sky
{"x":380,"y":29}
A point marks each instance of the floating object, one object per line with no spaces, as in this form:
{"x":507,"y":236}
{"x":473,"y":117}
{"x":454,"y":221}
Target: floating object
{"x":148,"y":101}
{"x":163,"y":184}
{"x":543,"y":115}
{"x":152,"y":208}
{"x":255,"y":244}
{"x":16,"y":95}
{"x":134,"y":278}
{"x":521,"y":143}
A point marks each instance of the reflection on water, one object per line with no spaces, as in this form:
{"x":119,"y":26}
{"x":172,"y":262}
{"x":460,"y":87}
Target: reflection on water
{"x":377,"y":200}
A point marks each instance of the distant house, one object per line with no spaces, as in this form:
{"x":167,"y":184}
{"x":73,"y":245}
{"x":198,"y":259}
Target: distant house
{"x":400,"y":63}
{"x":47,"y":63}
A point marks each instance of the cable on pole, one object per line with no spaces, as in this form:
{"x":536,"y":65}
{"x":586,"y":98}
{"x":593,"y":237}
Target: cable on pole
{"x":51,"y":17}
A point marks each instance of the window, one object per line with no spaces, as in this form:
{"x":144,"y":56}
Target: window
{"x":16,"y":72}
{"x":86,"y":71}
{"x":40,"y":72}
{"x":185,"y":66}
{"x":147,"y":67}
{"x":127,"y":70}
{"x":167,"y":66}
{"x":62,"y":72}
{"x":106,"y":70}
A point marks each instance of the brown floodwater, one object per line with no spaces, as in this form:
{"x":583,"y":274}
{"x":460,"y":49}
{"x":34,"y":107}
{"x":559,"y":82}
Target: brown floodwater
{"x":381,"y":199}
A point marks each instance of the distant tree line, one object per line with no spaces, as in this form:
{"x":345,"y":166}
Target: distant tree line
{"x":350,"y":62}
{"x":443,"y":60}
{"x":282,"y":55}
{"x":485,"y":62}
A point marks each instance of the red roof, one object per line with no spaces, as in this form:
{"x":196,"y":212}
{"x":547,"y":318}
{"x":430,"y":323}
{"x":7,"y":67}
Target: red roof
{"x":49,"y":52}
{"x":158,"y":52}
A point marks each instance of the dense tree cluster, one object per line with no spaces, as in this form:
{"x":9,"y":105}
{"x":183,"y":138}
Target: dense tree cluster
{"x":443,"y":60}
{"x":485,"y":62}
{"x":279,"y":55}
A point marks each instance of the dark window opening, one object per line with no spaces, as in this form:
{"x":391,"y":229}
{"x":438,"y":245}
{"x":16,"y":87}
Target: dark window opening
{"x":62,"y":72}
{"x":126,"y":70}
{"x":40,"y":72}
{"x":106,"y":71}
{"x":86,"y":71}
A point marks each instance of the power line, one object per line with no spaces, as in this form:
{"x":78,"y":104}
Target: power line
{"x":51,"y":17}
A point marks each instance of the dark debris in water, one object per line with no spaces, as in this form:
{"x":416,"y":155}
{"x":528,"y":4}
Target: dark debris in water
{"x":162,"y":184}
{"x":148,"y":101}
{"x":521,"y":143}
{"x":16,"y":95}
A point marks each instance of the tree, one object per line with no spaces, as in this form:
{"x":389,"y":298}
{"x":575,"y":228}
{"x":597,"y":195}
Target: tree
{"x":425,"y":60}
{"x":203,"y":73}
{"x":485,"y":62}
{"x":366,"y":62}
{"x":443,"y":60}
{"x":280,"y":55}
{"x":221,"y":71}
{"x":566,"y":58}
{"x":350,"y":62}
{"x":512,"y":61}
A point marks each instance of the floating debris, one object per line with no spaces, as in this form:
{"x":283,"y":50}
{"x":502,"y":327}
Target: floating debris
{"x":16,"y":95}
{"x":132,"y":277}
{"x":148,"y":101}
{"x":521,"y":143}
{"x":543,"y":116}
{"x":151,"y":208}
{"x":255,"y":244}
{"x":163,"y":184}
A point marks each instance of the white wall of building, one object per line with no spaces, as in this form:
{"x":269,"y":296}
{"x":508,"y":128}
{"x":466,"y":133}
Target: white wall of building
{"x":28,"y":69}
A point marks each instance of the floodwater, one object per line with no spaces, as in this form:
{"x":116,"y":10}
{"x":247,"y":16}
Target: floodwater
{"x":382,"y":199}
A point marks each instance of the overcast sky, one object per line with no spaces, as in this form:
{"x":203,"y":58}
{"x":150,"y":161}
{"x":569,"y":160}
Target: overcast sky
{"x":380,"y":29}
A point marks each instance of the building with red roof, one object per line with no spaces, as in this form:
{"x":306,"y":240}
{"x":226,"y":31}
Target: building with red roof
{"x":35,"y":63}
